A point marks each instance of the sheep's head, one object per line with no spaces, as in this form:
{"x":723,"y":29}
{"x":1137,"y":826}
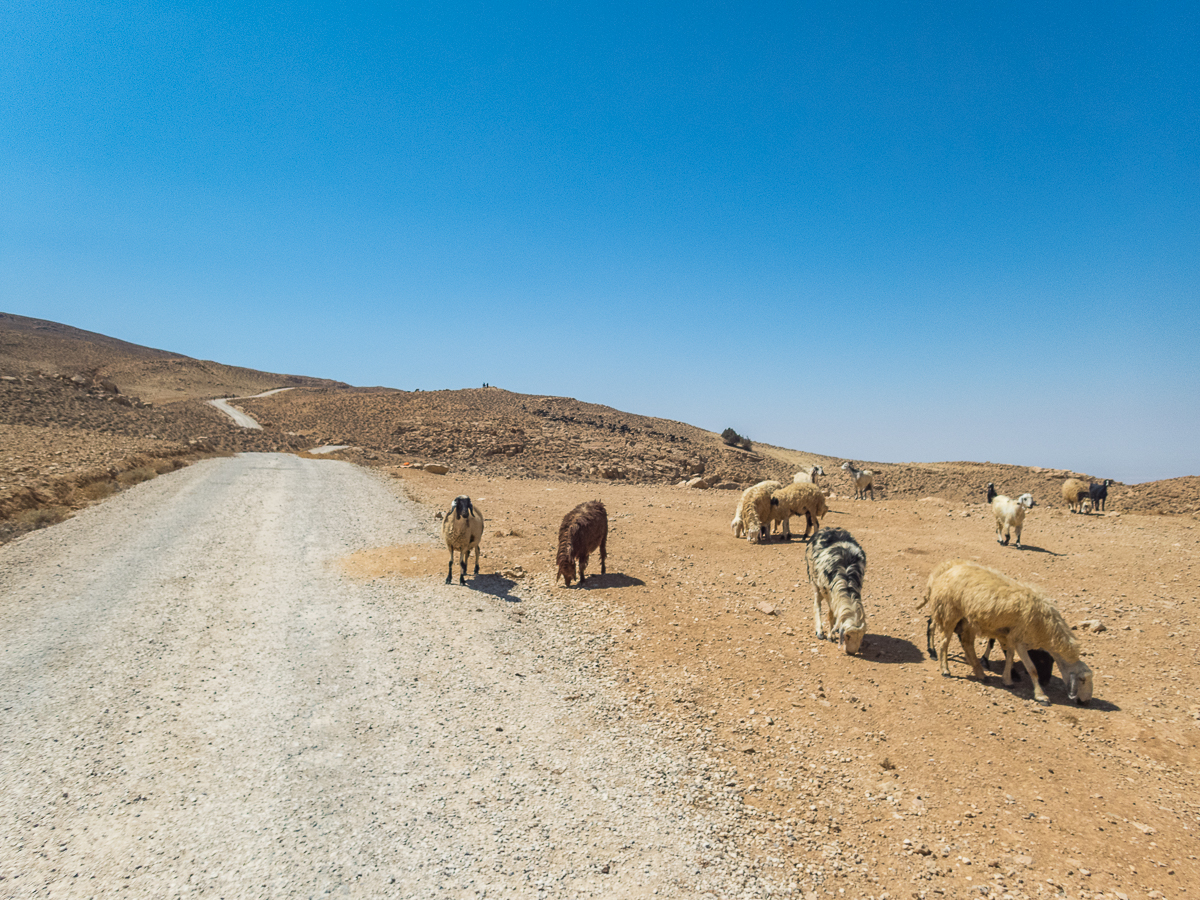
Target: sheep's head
{"x":462,"y":507}
{"x":817,"y":470}
{"x":850,"y":639}
{"x":1079,"y":684}
{"x":566,"y":571}
{"x":1026,"y":500}
{"x":846,"y":466}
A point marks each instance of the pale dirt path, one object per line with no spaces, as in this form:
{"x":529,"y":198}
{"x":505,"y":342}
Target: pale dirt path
{"x":197,"y":701}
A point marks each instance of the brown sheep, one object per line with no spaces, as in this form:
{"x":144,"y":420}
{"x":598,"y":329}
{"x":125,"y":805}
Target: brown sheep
{"x":1075,"y":492}
{"x":799,"y":499}
{"x":989,"y":604}
{"x":583,"y":529}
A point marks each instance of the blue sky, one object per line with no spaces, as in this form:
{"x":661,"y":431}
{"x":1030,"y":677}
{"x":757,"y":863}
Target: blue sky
{"x":891,"y":232}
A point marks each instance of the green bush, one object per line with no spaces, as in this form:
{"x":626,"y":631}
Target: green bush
{"x":733,"y":439}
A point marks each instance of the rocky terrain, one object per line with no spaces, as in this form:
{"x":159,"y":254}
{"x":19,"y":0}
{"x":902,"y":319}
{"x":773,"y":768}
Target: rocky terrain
{"x":870,"y":776}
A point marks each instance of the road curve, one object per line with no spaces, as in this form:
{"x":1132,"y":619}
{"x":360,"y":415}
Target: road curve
{"x":196,"y":700}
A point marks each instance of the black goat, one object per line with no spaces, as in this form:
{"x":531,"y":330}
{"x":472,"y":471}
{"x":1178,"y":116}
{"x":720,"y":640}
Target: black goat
{"x":1099,"y":493}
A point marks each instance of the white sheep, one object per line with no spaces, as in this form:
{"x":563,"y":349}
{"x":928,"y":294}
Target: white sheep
{"x":755,"y":511}
{"x":739,"y":524}
{"x":836,"y":567}
{"x":462,"y":529}
{"x":1076,"y":493}
{"x":808,"y":475}
{"x":864,"y":480}
{"x":798,"y":499}
{"x":990,"y":604}
{"x":1010,"y":516}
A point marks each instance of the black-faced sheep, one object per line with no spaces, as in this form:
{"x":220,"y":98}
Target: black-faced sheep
{"x":1074,"y":492}
{"x":864,"y":480}
{"x":462,"y":529}
{"x":799,"y":499}
{"x":755,"y":510}
{"x":989,"y":604}
{"x":583,"y":529}
{"x":1098,"y":494}
{"x":836,"y":566}
{"x":808,"y":475}
{"x":1010,"y":516}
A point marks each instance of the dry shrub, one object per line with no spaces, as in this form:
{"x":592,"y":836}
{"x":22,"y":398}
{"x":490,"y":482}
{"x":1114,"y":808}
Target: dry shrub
{"x":137,"y":476}
{"x":40,"y":517}
{"x":97,"y":490}
{"x":163,"y":466}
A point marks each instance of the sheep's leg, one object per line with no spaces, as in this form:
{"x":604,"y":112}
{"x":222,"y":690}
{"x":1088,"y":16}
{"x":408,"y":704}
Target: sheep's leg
{"x":450,"y":569}
{"x":1038,"y":694}
{"x":583,"y":558}
{"x":787,"y":528}
{"x":967,"y":640}
{"x":1018,"y":537}
{"x":476,"y":559}
{"x":944,"y":651}
{"x":462,"y":559}
{"x":603,"y":554}
{"x":817,"y":612}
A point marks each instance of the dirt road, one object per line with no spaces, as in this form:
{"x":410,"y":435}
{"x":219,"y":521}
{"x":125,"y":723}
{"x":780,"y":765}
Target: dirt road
{"x":197,"y":700}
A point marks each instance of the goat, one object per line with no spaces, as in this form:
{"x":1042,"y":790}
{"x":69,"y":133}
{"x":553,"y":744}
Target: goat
{"x":808,"y":475}
{"x":1098,"y":494}
{"x":1042,"y":661}
{"x":836,"y":566}
{"x":583,"y":529}
{"x":1010,"y":516}
{"x":462,"y":529}
{"x":864,"y":480}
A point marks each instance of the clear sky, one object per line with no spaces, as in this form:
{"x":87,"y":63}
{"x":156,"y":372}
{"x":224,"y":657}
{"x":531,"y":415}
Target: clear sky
{"x":892,"y":232}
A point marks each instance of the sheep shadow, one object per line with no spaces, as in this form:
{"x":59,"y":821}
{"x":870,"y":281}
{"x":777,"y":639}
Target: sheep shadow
{"x":496,"y":585}
{"x":887,"y":649}
{"x":610,"y":580}
{"x":1034,"y":549}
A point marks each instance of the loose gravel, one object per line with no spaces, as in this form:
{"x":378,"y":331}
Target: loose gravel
{"x":197,"y":700}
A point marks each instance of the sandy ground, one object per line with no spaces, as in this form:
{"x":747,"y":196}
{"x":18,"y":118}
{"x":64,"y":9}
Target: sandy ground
{"x":907,"y":781}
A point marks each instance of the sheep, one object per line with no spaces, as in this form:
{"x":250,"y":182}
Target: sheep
{"x":755,"y":510}
{"x":583,"y":529}
{"x":738,"y":524}
{"x":989,"y":604}
{"x":864,"y":480}
{"x":1098,"y":494}
{"x":462,"y":529}
{"x":1075,"y":492}
{"x":1042,"y":660}
{"x":991,"y":492}
{"x":1010,"y":516}
{"x":798,"y":499}
{"x":808,"y":475}
{"x":836,"y":566}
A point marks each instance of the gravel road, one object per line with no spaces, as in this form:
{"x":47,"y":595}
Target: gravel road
{"x":197,"y":700}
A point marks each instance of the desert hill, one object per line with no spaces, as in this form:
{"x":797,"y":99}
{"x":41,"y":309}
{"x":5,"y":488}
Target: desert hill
{"x":79,"y":408}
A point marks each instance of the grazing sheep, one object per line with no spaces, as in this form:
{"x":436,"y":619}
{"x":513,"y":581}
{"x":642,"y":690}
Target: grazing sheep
{"x":1098,"y":494}
{"x":1042,"y":660}
{"x":864,"y":480}
{"x":989,"y":604}
{"x":799,"y":499}
{"x":836,"y":566}
{"x":1010,"y":516}
{"x":739,"y":524}
{"x":808,"y":475}
{"x":1075,"y":492}
{"x":755,"y":511}
{"x":462,"y":529}
{"x":583,"y":529}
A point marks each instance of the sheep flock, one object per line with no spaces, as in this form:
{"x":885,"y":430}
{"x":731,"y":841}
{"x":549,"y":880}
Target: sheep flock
{"x":966,"y":599}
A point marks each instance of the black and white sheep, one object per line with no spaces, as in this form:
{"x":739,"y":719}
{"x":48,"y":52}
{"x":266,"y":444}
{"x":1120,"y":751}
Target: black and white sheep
{"x":1010,"y":516}
{"x":864,"y":480}
{"x":462,"y":529}
{"x":987,"y":603}
{"x":1098,"y":494}
{"x":836,"y":567}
